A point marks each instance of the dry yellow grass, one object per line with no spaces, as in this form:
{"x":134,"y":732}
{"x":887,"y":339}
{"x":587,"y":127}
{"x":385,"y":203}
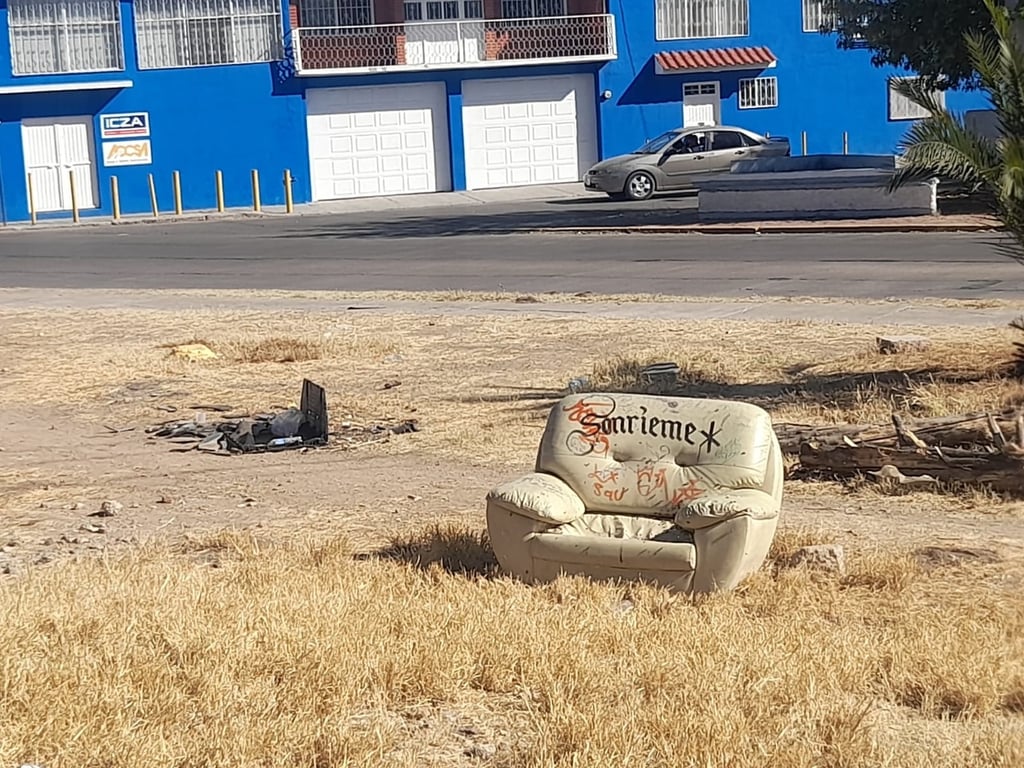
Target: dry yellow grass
{"x":300,"y":655}
{"x":481,"y":386}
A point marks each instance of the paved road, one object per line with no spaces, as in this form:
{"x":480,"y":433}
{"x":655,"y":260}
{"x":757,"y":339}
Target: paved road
{"x":485,"y":249}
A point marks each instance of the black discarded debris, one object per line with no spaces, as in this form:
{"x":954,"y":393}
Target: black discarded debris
{"x":302,"y":427}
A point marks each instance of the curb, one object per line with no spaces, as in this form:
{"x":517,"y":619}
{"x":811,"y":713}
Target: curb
{"x":770,"y":229}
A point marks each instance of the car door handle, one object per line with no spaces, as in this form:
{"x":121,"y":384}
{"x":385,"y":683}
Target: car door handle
{"x":740,"y":152}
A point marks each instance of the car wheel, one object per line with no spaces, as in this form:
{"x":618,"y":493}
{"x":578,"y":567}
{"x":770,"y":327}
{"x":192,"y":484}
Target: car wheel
{"x":639,"y":186}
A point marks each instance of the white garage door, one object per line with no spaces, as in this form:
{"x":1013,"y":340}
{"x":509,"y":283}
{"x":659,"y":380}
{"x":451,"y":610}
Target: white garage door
{"x":382,"y":140}
{"x":536,"y":130}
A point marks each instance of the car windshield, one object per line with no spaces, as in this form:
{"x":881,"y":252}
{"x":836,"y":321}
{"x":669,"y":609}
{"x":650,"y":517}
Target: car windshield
{"x":658,"y":144}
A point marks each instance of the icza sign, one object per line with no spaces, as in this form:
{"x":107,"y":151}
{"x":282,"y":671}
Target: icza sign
{"x":124,"y":125}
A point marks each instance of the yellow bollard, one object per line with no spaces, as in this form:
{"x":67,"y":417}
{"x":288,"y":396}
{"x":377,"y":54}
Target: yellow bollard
{"x":803,"y":142}
{"x":288,"y":202}
{"x":74,"y":197}
{"x":220,"y":192}
{"x":846,"y":143}
{"x":256,"y":204}
{"x":152,"y":197}
{"x":177,"y":193}
{"x":115,"y":198}
{"x":31,"y":199}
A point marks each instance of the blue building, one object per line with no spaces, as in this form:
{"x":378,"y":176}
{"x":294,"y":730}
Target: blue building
{"x":383,"y":97}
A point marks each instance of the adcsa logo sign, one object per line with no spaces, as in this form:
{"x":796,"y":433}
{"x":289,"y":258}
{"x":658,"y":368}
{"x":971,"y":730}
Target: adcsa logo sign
{"x":122,"y":125}
{"x":127,"y":153}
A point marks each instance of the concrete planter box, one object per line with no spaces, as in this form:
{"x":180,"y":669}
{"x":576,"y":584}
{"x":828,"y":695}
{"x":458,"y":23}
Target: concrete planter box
{"x":813,"y":187}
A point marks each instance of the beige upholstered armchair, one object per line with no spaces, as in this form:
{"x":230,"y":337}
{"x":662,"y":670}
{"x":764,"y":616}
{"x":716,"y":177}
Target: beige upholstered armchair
{"x":680,"y":492}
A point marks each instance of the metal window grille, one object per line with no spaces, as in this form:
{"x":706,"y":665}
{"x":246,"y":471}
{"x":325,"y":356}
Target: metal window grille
{"x":689,"y":19}
{"x":194,"y":33}
{"x":442,"y":10}
{"x":902,"y":108}
{"x":341,"y":13}
{"x":817,"y":18}
{"x":49,"y":37}
{"x":532,"y":9}
{"x":759,"y":92}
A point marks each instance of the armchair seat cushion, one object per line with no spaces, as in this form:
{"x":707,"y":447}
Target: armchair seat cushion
{"x":618,"y":541}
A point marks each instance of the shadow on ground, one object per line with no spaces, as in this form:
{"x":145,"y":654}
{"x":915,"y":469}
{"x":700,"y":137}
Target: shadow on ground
{"x":834,"y":392}
{"x":495,"y":220}
{"x":454,"y":549}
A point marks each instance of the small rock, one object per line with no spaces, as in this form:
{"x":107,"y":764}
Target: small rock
{"x":77,"y":506}
{"x":830,"y":558}
{"x":413,"y":497}
{"x":93,"y":528}
{"x":481,"y":751}
{"x":165,"y":500}
{"x":108,"y":509}
{"x":624,"y":607}
{"x":391,"y":384}
{"x":891,"y":345}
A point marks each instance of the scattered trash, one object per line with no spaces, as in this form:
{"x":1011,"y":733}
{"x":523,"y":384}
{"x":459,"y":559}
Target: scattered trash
{"x":391,"y":384}
{"x":578,"y":384}
{"x":108,"y":509}
{"x":660,"y":374}
{"x":293,"y":428}
{"x":93,"y":528}
{"x":194,"y":352}
{"x":165,"y":500}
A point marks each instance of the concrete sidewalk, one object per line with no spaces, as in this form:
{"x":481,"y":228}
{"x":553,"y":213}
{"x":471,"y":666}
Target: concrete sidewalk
{"x":876,"y":313}
{"x":532,"y":196}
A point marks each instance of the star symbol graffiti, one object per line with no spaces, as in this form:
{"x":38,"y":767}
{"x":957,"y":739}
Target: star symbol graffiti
{"x":689,"y":492}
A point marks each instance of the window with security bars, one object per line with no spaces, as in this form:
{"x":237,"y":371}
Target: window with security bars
{"x":902,"y":108}
{"x":443,"y":10}
{"x":336,"y":13}
{"x":759,"y":93}
{"x":817,"y":16}
{"x":49,"y":37}
{"x":196,"y":33}
{"x":532,"y":9}
{"x":690,"y":19}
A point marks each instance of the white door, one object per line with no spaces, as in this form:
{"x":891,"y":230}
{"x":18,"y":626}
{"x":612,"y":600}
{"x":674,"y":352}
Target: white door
{"x":380,"y":140}
{"x":702,"y":104}
{"x":444,"y":31}
{"x":534,"y":130}
{"x":54,"y":149}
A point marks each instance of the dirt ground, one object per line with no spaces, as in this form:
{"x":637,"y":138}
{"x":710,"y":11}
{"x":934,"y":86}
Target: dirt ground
{"x":74,"y":413}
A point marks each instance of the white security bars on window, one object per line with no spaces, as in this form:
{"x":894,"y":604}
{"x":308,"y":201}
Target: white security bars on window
{"x":49,"y":37}
{"x":816,"y":17}
{"x":902,"y":108}
{"x":759,"y":92}
{"x":688,"y":19}
{"x":193,"y":33}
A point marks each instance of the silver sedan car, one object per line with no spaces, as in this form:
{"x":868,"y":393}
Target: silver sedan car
{"x":672,"y":160}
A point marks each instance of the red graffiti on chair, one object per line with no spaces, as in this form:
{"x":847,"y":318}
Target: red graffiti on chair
{"x":687,"y":493}
{"x":588,"y":413}
{"x":605,"y":484}
{"x":649,"y":481}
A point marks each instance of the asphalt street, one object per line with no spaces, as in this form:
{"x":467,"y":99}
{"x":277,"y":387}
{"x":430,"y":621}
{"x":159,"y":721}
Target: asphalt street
{"x":490,"y":248}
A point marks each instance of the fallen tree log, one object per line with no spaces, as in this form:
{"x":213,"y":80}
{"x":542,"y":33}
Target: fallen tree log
{"x":994,"y":469}
{"x":961,"y":430}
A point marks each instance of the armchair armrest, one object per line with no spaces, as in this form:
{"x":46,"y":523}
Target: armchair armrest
{"x":718,"y":507}
{"x":540,"y":497}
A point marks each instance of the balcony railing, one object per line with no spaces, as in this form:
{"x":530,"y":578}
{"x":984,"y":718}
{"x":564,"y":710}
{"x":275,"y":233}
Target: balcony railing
{"x":453,"y":44}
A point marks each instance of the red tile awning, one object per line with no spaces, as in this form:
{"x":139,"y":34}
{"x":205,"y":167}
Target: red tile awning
{"x":715,"y":60}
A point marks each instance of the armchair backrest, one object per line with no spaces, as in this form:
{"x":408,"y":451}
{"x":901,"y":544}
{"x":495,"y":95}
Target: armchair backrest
{"x":651,"y":455}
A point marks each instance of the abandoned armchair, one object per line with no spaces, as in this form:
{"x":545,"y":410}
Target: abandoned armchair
{"x":680,"y":492}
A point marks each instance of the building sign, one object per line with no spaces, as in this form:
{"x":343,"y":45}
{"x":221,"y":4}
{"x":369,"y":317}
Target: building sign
{"x":127,"y":152}
{"x":124,"y":125}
